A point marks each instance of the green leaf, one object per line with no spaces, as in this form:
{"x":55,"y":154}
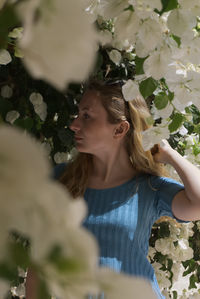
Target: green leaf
{"x":139,"y":65}
{"x":130,"y":7}
{"x":8,"y":19}
{"x":43,"y":291}
{"x":196,"y":149}
{"x":177,"y":39}
{"x":190,"y":265}
{"x":177,"y":121}
{"x":62,"y":263}
{"x":65,"y":135}
{"x":161,"y":100}
{"x":19,"y":254}
{"x":26,"y":123}
{"x":170,"y":264}
{"x":147,"y":87}
{"x":170,"y":95}
{"x":8,"y":272}
{"x":168,"y":5}
{"x":193,"y":281}
{"x":175,"y":295}
{"x":5,"y":107}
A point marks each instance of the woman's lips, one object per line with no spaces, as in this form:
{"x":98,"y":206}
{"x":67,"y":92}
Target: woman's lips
{"x":77,"y":138}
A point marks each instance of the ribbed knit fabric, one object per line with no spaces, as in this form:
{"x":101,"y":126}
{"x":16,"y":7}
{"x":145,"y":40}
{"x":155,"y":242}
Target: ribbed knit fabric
{"x":121,"y":219}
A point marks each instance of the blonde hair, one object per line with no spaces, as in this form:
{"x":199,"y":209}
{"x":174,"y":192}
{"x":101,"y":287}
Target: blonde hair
{"x":75,"y":178}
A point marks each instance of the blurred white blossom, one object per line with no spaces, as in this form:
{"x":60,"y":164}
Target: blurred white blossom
{"x":115,"y":56}
{"x":51,"y":54}
{"x":12,"y":115}
{"x":5,"y":57}
{"x":61,"y":157}
{"x":39,"y":105}
{"x":146,"y":4}
{"x":149,"y":35}
{"x":6,"y":91}
{"x":112,"y":8}
{"x":16,"y":33}
{"x":124,"y":286}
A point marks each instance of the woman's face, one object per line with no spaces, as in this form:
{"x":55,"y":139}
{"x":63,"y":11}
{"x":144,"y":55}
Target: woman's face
{"x":93,"y":133}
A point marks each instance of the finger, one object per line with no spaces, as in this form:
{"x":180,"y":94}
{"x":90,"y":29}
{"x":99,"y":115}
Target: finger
{"x":154,"y":149}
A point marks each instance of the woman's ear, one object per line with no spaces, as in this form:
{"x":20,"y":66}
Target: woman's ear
{"x":121,"y":129}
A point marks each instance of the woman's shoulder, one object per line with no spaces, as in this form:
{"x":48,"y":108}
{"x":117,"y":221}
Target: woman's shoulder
{"x":58,"y":170}
{"x":162,"y":181}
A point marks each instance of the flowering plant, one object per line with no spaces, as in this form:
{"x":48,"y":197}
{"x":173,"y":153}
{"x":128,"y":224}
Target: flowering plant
{"x":153,"y":46}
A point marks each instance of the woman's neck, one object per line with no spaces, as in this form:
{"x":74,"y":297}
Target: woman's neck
{"x":111,"y":169}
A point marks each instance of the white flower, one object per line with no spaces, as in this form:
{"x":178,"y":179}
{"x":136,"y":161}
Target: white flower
{"x":190,"y":140}
{"x":156,"y":65}
{"x":182,"y":97}
{"x":53,"y":54}
{"x":174,"y":231}
{"x":40,"y":107}
{"x":181,"y":21}
{"x":115,"y":56}
{"x":182,"y":251}
{"x":118,"y":286}
{"x":162,"y":276}
{"x":130,"y":90}
{"x":146,"y":4}
{"x":5,"y":57}
{"x":164,"y":113}
{"x":12,"y":115}
{"x":150,"y":35}
{"x":183,"y":131}
{"x":17,"y":169}
{"x":112,"y":8}
{"x":186,"y":230}
{"x":41,"y":110}
{"x":36,"y":98}
{"x":165,"y":245}
{"x":189,"y":51}
{"x":151,"y":252}
{"x":153,"y":136}
{"x":61,"y":157}
{"x":6,"y":91}
{"x":16,"y":33}
{"x":177,"y":268}
{"x":18,"y":291}
{"x":47,"y":147}
{"x":192,"y":5}
{"x":126,"y":26}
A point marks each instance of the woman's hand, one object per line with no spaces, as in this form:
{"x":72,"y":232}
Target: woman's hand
{"x":162,"y":152}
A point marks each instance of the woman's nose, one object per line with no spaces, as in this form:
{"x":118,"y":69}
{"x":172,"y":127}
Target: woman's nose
{"x":75,"y":125}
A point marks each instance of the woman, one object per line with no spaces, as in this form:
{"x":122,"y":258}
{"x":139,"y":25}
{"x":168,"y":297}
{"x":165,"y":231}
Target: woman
{"x":122,"y":184}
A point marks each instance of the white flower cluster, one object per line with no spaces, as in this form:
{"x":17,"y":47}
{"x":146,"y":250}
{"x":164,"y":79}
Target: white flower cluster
{"x":175,"y":247}
{"x":38,"y":208}
{"x":56,"y":47}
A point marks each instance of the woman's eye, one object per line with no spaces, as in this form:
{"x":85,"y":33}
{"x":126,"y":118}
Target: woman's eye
{"x":86,"y":116}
